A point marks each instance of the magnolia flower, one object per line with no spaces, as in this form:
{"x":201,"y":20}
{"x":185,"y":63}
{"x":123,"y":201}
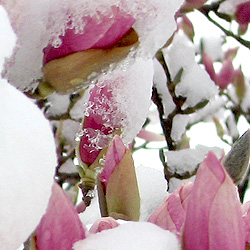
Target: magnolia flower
{"x":213,"y":215}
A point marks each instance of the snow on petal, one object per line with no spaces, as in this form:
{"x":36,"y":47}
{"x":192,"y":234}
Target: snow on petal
{"x":213,"y":215}
{"x":131,"y":235}
{"x":38,"y":23}
{"x":111,"y":108}
{"x":181,"y":55}
{"x":28,"y":161}
{"x":99,"y":32}
{"x":230,"y":6}
{"x":103,"y":223}
{"x":60,"y":227}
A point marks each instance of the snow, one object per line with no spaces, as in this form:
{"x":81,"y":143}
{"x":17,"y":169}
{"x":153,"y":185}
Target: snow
{"x":152,"y":189}
{"x":132,"y":93}
{"x":179,"y":126}
{"x":181,"y":55}
{"x":41,"y":22}
{"x":27,"y":166}
{"x":58,"y":104}
{"x":160,"y":82}
{"x":212,"y":45}
{"x":133,"y":236}
{"x":186,"y":160}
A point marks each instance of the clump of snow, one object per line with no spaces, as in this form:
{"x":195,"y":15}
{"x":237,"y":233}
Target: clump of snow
{"x":69,"y":130}
{"x":132,"y":94}
{"x":212,"y":45}
{"x":77,"y":111}
{"x":131,"y":235}
{"x":181,"y":55}
{"x":152,"y":189}
{"x":186,"y":160}
{"x":160,"y":82}
{"x":58,"y":104}
{"x":179,"y":126}
{"x":27,"y":166}
{"x":38,"y":23}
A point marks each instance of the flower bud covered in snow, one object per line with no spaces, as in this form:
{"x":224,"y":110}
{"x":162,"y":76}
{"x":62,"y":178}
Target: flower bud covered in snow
{"x":118,"y":183}
{"x":106,"y":39}
{"x":213,"y":215}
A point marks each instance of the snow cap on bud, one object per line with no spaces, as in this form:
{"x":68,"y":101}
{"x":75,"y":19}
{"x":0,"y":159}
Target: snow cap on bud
{"x":236,"y":161}
{"x":106,"y":39}
{"x":118,"y":189}
{"x":103,"y":223}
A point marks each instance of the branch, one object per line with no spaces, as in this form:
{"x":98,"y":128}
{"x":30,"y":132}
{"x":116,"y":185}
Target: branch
{"x":205,"y":11}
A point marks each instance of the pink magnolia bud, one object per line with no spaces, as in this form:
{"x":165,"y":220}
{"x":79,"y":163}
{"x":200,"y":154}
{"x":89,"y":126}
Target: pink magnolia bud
{"x":119,"y":189}
{"x":208,"y":63}
{"x":60,"y":227}
{"x":104,"y":223}
{"x":243,"y":13}
{"x":226,"y":74}
{"x":171,"y":214}
{"x":213,"y":216}
{"x":98,"y":124}
{"x":192,"y":4}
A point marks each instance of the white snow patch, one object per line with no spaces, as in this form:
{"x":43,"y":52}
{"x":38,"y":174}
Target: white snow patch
{"x":179,"y":126}
{"x":160,"y":82}
{"x":195,"y":83}
{"x":28,"y":161}
{"x":152,"y":189}
{"x":131,"y":235}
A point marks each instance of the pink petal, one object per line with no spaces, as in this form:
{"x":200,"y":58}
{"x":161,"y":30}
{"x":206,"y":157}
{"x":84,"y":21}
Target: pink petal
{"x":100,"y":112}
{"x":114,"y":155}
{"x":170,"y":215}
{"x":104,"y":223}
{"x":208,"y":63}
{"x":226,"y":74}
{"x":97,"y":34}
{"x":60,"y":227}
{"x":243,"y":13}
{"x":213,"y":219}
{"x":150,"y":136}
{"x":246,"y":218}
